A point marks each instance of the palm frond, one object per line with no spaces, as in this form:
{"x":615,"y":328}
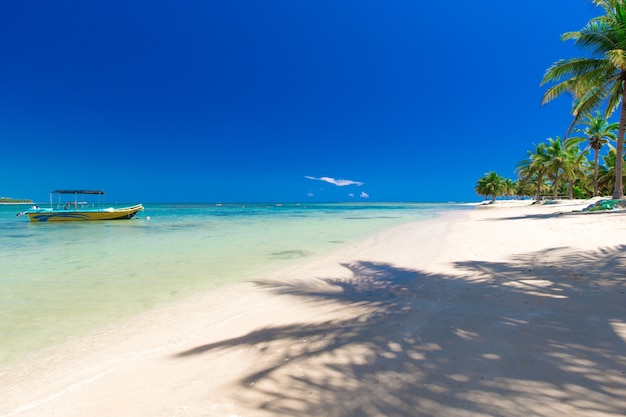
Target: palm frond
{"x":597,"y":36}
{"x":614,"y":97}
{"x":555,"y":91}
{"x":588,"y":100}
{"x":568,"y":36}
{"x":576,"y":140}
{"x":574,"y":66}
{"x":605,"y":4}
{"x":617,"y":58}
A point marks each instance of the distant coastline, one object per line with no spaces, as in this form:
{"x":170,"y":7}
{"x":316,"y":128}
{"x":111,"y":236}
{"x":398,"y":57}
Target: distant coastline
{"x":7,"y":200}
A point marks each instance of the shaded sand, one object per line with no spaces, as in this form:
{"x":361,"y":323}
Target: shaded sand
{"x":498,"y":311}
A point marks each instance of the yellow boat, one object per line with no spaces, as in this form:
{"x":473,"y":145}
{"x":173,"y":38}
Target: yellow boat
{"x":77,"y":209}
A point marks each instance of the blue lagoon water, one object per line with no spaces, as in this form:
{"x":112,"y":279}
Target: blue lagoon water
{"x":61,"y":280}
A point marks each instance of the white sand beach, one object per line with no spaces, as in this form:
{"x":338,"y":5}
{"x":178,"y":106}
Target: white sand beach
{"x":511,"y":311}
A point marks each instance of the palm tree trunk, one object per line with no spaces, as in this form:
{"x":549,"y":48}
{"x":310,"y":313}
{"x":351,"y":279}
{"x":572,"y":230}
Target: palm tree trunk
{"x":556,"y":185}
{"x":595,"y":172}
{"x":570,"y":188}
{"x":618,"y":191}
{"x":539,"y":181}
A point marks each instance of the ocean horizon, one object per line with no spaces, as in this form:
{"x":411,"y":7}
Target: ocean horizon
{"x":62,"y":280}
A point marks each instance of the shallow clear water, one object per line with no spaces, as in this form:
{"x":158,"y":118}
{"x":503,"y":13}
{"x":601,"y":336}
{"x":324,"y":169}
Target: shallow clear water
{"x":60,"y":280}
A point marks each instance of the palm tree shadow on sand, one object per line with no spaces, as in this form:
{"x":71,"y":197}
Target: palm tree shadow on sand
{"x":538,"y":335}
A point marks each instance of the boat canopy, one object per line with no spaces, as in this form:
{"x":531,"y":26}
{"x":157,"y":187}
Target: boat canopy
{"x":78,"y":192}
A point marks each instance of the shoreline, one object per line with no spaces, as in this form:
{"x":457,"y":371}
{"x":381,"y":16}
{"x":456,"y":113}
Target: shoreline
{"x":492,"y":311}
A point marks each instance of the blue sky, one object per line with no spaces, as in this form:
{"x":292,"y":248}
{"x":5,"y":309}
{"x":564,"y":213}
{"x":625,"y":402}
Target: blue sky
{"x":275,"y":101}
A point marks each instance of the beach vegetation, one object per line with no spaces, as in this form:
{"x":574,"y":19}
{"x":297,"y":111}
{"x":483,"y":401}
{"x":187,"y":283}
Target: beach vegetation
{"x":523,"y":189}
{"x":599,"y":80}
{"x":579,"y":164}
{"x":491,"y":185}
{"x":559,"y":164}
{"x":509,"y":187}
{"x":7,"y":200}
{"x":579,"y":168}
{"x":557,"y":167}
{"x":597,"y":132}
{"x":561,"y":168}
{"x":533,"y":169}
{"x":580,"y":192}
{"x":607,"y":171}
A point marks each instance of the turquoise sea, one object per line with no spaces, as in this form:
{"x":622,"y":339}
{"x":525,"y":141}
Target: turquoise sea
{"x":61,"y":280}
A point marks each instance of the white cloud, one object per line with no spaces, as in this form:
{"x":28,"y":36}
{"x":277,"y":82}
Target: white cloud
{"x":364,"y":195}
{"x":337,"y":182}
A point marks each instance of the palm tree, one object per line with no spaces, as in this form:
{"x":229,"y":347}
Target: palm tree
{"x":556,"y":163}
{"x":600,"y":78}
{"x":563,"y":158}
{"x":576,"y":166}
{"x":523,"y":189}
{"x":491,"y":184}
{"x":509,"y":187}
{"x":533,"y":168}
{"x":607,"y":172}
{"x":598,"y":132}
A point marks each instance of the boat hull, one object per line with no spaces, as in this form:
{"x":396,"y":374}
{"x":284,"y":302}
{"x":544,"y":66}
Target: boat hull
{"x":50,"y":215}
